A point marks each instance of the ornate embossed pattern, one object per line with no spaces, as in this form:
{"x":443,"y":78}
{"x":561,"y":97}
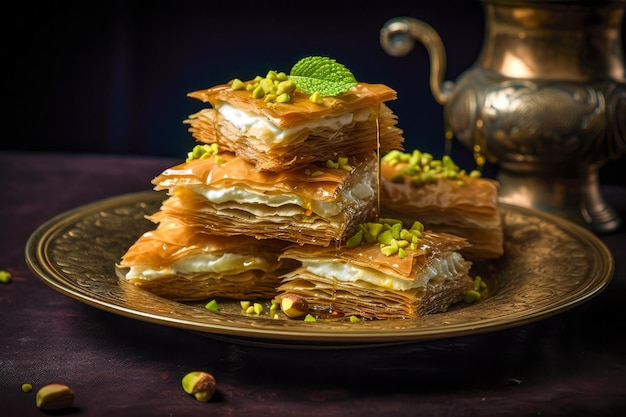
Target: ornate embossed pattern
{"x":550,"y":265}
{"x":539,"y":121}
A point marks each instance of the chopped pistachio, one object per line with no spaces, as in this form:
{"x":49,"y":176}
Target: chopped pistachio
{"x":421,"y":167}
{"x":391,"y":237}
{"x":244,"y":304}
{"x":386,"y":237}
{"x":285,"y":87}
{"x":258,"y":308}
{"x":211,"y":305}
{"x":258,"y":92}
{"x":309,"y":317}
{"x":27,"y":387}
{"x":355,"y":240}
{"x":402,"y":243}
{"x":389,"y":250}
{"x":203,"y":151}
{"x":316,"y":98}
{"x":354,"y":319}
{"x":237,"y":84}
{"x":283,"y":98}
{"x":478,"y":292}
{"x":472,"y":296}
{"x":5,"y":277}
{"x":341,"y":163}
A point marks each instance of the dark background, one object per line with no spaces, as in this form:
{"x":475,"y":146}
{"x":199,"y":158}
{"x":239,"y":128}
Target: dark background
{"x":112,"y":77}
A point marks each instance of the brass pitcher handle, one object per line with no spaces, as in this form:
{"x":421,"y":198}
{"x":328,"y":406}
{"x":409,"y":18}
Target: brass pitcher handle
{"x":398,"y":37}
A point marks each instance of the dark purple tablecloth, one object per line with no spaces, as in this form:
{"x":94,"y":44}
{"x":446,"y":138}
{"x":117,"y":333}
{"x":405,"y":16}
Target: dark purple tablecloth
{"x":573,"y":363}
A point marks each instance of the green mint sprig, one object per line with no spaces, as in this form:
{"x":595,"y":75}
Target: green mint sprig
{"x":322,"y":75}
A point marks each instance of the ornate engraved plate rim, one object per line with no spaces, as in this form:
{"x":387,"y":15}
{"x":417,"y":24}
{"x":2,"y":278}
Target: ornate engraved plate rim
{"x":550,"y":265}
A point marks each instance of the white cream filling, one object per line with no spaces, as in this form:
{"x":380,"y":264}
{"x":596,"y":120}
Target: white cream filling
{"x":241,"y":196}
{"x":202,"y":263}
{"x":447,"y":266}
{"x":262,"y":128}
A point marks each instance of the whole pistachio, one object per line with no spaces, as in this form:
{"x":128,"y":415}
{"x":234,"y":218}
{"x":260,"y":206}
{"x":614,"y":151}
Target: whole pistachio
{"x":294,"y":305}
{"x":199,"y":384}
{"x":54,"y":397}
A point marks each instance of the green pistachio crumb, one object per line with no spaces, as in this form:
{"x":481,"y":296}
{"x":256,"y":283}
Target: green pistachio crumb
{"x":354,"y":319}
{"x":355,"y":240}
{"x":27,"y":387}
{"x":421,"y":168}
{"x":283,"y":98}
{"x":202,"y":151}
{"x":211,"y":305}
{"x":472,"y":296}
{"x":258,"y":308}
{"x":478,"y":292}
{"x":274,"y":308}
{"x":389,"y":250}
{"x":309,"y":317}
{"x":5,"y":277}
{"x":389,"y":234}
{"x":258,"y":92}
{"x":316,"y":98}
{"x":237,"y":84}
{"x":244,"y":304}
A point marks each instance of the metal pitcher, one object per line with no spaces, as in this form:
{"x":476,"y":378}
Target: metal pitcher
{"x":545,"y":101}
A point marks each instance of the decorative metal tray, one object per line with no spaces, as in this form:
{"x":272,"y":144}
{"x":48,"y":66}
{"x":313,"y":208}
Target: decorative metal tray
{"x":550,"y":265}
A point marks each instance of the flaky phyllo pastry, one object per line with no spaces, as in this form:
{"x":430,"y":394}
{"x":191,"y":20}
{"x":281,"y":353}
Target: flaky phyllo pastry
{"x":300,"y":131}
{"x":185,"y":263}
{"x":444,"y":198}
{"x":316,"y":204}
{"x":382,"y":281}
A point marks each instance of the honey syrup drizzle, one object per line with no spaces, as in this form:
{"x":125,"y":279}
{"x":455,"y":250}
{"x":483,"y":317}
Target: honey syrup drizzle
{"x":479,"y":143}
{"x":479,"y":147}
{"x":378,"y":169}
{"x":327,"y":312}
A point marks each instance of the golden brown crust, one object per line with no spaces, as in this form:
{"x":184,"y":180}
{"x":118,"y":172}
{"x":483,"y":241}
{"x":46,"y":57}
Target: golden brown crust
{"x":304,"y":217}
{"x":299,"y":109}
{"x":371,"y":301}
{"x":171,"y":242}
{"x":370,"y":256}
{"x":470,"y":210}
{"x":365,"y":299}
{"x":367,"y":124}
{"x":302,"y":147}
{"x":237,"y":172}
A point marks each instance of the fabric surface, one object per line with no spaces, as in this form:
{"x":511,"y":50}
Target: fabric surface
{"x":573,"y":363}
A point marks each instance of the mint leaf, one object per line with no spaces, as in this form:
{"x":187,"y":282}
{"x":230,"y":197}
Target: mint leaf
{"x":321,"y":74}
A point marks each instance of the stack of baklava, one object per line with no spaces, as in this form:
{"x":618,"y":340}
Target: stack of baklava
{"x":281,"y":197}
{"x":265,"y":174}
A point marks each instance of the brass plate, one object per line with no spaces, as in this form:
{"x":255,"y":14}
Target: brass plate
{"x":550,"y":265}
